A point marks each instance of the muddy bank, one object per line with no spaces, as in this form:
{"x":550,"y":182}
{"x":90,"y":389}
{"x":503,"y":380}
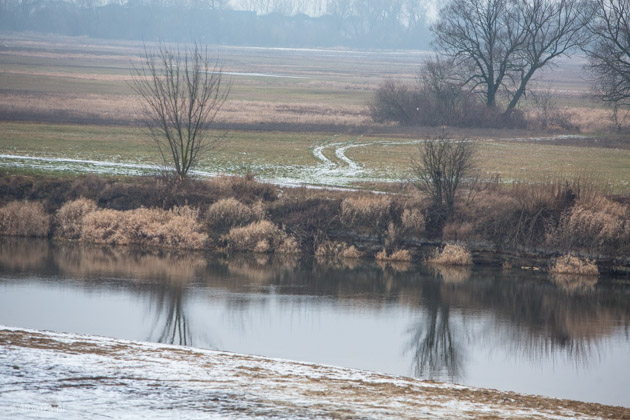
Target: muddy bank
{"x":47,"y":374}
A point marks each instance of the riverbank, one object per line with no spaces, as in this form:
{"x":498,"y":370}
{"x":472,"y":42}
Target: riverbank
{"x":48,"y":374}
{"x":515,"y":225}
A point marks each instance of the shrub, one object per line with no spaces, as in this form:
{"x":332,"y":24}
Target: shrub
{"x":570,"y":264}
{"x":595,"y":224}
{"x":412,"y":221}
{"x":176,"y":228}
{"x":366,"y":211}
{"x":228,"y":213}
{"x":334,"y":249}
{"x":451,"y":254}
{"x":260,"y":236}
{"x":24,"y":218}
{"x":69,"y":218}
{"x":398,"y":255}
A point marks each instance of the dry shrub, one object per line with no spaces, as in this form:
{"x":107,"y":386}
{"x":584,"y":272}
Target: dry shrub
{"x":228,"y":213}
{"x":24,"y":218}
{"x":451,"y":254}
{"x":334,"y":249}
{"x":594,"y":224}
{"x":351,"y":253}
{"x":366,"y":211}
{"x":412,"y":221}
{"x":260,"y":236}
{"x":69,"y":217}
{"x":176,"y":228}
{"x":245,"y":188}
{"x":570,"y":264}
{"x":398,"y":255}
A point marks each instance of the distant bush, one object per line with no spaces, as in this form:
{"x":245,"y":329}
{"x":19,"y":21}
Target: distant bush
{"x":451,"y":254}
{"x":24,"y":218}
{"x":570,"y":264}
{"x":438,"y":99}
{"x":262,"y":237}
{"x":69,"y":218}
{"x":176,"y":228}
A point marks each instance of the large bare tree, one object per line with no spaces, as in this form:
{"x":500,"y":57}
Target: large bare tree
{"x":503,"y":43}
{"x":181,"y":91}
{"x":609,"y":54}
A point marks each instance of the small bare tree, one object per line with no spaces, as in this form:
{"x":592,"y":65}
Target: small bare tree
{"x":181,"y":93}
{"x":441,"y":168}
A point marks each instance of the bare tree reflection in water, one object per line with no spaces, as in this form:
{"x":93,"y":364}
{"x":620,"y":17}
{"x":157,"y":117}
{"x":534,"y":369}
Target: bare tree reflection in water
{"x":170,"y":314}
{"x":436,"y":348}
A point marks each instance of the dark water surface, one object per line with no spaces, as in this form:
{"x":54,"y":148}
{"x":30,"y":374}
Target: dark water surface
{"x":516,"y":330}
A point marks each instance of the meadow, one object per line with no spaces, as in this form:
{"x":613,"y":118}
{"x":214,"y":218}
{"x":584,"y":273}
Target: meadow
{"x":293,"y":117}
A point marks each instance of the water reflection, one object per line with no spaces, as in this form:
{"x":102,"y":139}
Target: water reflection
{"x":448,"y":313}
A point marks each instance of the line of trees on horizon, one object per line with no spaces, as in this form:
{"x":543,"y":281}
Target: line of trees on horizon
{"x":398,"y":24}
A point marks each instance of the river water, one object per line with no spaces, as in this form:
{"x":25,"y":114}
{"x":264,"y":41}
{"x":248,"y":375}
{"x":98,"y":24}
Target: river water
{"x":509,"y":330}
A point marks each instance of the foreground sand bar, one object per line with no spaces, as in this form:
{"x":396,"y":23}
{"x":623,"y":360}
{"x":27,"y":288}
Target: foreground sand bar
{"x":52,"y":375}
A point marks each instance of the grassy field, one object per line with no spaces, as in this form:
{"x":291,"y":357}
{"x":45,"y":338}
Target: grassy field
{"x":65,"y":100}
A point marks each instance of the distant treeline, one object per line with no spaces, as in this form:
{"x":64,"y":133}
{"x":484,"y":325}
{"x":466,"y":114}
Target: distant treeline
{"x":150,"y":21}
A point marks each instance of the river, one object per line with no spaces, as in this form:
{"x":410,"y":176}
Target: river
{"x":509,"y":330}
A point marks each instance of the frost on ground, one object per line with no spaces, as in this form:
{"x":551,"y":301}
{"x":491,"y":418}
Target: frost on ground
{"x":52,"y":375}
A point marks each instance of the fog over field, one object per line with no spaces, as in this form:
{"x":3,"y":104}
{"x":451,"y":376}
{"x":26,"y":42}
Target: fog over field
{"x":281,"y":23}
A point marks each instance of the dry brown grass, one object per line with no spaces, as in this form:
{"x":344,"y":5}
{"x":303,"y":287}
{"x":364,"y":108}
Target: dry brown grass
{"x":229,"y":212}
{"x":451,"y":254}
{"x":413,"y":221}
{"x":176,"y":228}
{"x":335,"y":249}
{"x":69,"y":218}
{"x":366,"y":211}
{"x":262,"y":237}
{"x":401,"y":255}
{"x":24,"y":218}
{"x":571,"y":264}
{"x":596,"y":223}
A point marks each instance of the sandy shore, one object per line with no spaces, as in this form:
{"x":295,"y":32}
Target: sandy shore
{"x":51,"y":375}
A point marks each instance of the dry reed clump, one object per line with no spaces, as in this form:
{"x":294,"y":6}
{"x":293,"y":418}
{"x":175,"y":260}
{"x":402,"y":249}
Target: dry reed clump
{"x":401,"y":255}
{"x":451,"y":254}
{"x":261,"y":236}
{"x":246,"y":188}
{"x":334,"y":249}
{"x":176,"y":228}
{"x":229,"y":212}
{"x":69,"y":218}
{"x":24,"y":218}
{"x":595,"y":224}
{"x":412,"y":221}
{"x":366,"y":211}
{"x":570,"y":264}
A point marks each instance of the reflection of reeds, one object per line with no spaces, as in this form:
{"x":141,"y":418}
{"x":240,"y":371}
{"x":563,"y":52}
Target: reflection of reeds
{"x":23,"y":254}
{"x":452,"y":274}
{"x":260,"y":269}
{"x":574,"y":283}
{"x":86,"y":261}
